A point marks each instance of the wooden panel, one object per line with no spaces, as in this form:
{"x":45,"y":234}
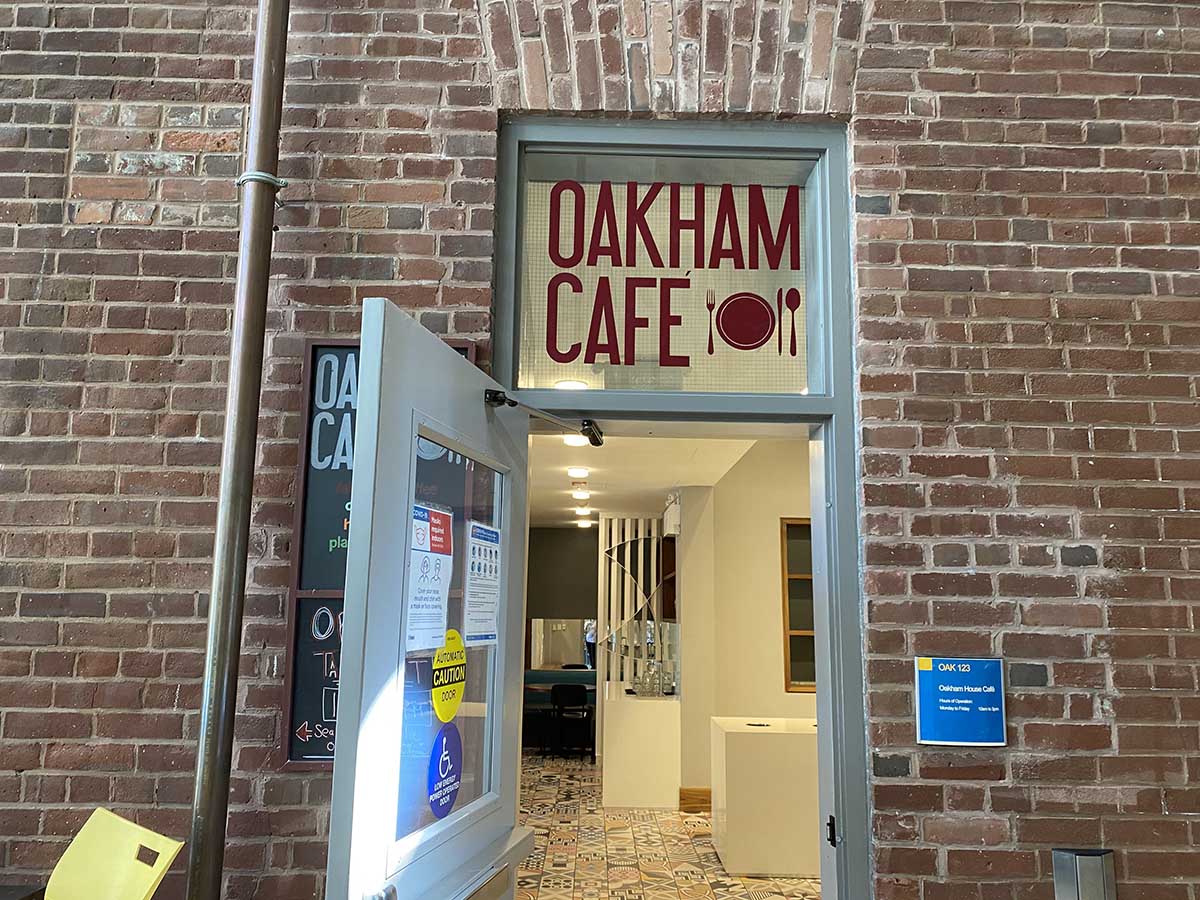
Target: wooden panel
{"x":695,"y":800}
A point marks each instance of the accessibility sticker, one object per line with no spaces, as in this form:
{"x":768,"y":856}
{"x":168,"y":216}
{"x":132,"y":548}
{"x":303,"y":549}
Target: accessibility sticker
{"x":445,"y":770}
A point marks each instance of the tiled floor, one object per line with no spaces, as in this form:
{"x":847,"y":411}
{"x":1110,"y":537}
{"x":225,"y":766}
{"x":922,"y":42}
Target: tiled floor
{"x":585,"y":852}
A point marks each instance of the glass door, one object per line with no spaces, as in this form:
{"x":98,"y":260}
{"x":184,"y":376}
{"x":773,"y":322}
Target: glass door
{"x":426,"y":767}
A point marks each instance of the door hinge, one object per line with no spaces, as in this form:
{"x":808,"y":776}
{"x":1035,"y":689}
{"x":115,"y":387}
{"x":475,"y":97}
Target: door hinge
{"x":831,"y":831}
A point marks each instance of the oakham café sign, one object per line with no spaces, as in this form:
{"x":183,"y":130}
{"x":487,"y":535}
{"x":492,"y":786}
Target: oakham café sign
{"x":667,"y":286}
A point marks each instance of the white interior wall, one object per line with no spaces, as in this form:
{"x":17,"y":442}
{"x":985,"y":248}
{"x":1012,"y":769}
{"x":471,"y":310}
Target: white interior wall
{"x":738,"y":627}
{"x":695,"y":582}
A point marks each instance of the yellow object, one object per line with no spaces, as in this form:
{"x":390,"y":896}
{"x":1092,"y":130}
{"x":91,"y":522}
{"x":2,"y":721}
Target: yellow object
{"x":925,"y":663}
{"x":449,"y":676}
{"x":112,"y":859}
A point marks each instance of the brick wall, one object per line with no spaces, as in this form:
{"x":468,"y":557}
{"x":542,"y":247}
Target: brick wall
{"x":1026,"y":182}
{"x":1025,"y":176}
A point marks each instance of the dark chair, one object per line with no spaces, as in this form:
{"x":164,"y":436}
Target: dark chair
{"x":571,"y":709}
{"x":539,"y":722}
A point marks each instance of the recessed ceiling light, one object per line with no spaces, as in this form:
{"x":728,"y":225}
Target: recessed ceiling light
{"x":584,"y":523}
{"x":577,"y":472}
{"x":575,"y":440}
{"x":581,"y":494}
{"x":570,"y":385}
{"x":583,"y":510}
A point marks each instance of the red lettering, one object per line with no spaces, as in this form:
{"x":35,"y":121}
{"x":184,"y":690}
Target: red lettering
{"x":726,"y":227}
{"x":603,"y":316}
{"x":632,"y":320}
{"x":760,"y":228}
{"x":695,"y":225}
{"x":576,"y":254}
{"x":667,"y":321}
{"x":636,"y":225}
{"x":572,"y":352}
{"x":605,"y":241}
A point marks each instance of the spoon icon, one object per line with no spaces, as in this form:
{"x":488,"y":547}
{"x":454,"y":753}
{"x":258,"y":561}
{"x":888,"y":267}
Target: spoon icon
{"x":792,"y":299}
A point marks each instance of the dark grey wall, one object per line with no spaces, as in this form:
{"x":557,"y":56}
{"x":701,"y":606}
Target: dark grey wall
{"x":562,"y":573}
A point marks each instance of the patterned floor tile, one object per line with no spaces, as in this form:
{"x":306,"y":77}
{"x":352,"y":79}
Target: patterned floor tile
{"x":583,"y":851}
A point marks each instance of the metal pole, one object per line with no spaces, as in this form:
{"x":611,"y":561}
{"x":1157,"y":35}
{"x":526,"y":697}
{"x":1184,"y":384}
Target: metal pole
{"x":206,"y":853}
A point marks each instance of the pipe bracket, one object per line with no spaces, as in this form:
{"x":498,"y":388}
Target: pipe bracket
{"x":263,"y":178}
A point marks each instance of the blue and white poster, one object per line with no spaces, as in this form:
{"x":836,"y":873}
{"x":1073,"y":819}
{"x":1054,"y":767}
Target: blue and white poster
{"x":960,"y":702}
{"x":481,"y":593}
{"x":445,"y":770}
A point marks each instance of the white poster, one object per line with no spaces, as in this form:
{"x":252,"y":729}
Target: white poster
{"x":430,"y":568}
{"x":482,"y":593}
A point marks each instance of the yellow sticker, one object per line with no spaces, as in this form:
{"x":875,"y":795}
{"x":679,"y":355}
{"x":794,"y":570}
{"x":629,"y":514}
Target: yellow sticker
{"x":449,"y":676}
{"x":925,"y":663}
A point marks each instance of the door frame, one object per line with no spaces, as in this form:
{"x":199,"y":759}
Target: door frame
{"x":830,"y":407}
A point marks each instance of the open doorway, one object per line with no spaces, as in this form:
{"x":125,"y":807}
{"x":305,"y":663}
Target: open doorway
{"x":671,"y":702}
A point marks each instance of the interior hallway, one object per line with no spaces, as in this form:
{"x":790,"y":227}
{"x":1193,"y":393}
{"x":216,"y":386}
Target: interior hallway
{"x":585,"y":852}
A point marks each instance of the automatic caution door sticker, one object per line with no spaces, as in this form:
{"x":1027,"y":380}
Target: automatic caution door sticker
{"x":445,"y":770}
{"x":449,"y":676}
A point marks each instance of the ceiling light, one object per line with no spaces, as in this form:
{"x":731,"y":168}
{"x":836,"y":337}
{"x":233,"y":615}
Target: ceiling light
{"x":581,"y":493}
{"x":577,"y":472}
{"x":583,"y":510}
{"x":575,"y":440}
{"x":570,"y":385}
{"x":584,"y":523}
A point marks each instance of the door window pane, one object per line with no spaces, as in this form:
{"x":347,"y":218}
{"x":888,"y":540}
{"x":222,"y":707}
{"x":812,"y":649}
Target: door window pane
{"x":447,"y":730}
{"x":798,"y":619}
{"x":800,"y":604}
{"x":799,"y":549}
{"x":803,"y":662}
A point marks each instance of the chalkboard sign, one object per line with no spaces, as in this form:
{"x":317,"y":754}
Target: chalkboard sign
{"x":319,"y":544}
{"x":328,"y":467}
{"x":316,"y":670}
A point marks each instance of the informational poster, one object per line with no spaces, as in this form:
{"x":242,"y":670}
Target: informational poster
{"x":960,"y":702}
{"x":324,"y":476}
{"x":482,"y":608}
{"x":430,"y":568}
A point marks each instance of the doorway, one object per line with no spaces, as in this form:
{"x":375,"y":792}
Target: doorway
{"x":672,"y":360}
{"x":457,"y":828}
{"x":684,"y":551}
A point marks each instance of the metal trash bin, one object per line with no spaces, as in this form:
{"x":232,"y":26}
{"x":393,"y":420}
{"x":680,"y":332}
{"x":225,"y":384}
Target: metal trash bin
{"x":1084,"y":875}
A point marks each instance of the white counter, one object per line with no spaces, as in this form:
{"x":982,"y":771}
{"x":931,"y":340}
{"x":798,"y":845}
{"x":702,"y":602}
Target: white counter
{"x":640,"y":758}
{"x":766,"y":811}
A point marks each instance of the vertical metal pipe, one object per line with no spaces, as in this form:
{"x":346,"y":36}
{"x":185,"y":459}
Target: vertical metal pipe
{"x":206,"y":850}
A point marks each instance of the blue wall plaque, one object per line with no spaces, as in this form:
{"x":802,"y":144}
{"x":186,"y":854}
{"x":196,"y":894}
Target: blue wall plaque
{"x":960,"y":702}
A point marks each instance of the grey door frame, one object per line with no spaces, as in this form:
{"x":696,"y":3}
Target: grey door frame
{"x":830,"y":407}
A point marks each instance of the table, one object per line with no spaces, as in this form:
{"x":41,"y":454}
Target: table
{"x":20,"y":892}
{"x":766,"y":809}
